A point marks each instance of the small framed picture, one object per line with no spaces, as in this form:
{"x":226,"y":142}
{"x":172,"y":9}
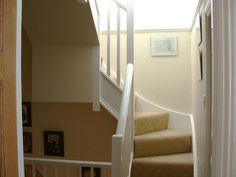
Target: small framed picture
{"x":28,"y":171}
{"x":27,"y":142}
{"x":26,"y":114}
{"x":200,"y":32}
{"x":200,"y":66}
{"x":54,"y":143}
{"x":86,"y":172}
{"x":163,"y":46}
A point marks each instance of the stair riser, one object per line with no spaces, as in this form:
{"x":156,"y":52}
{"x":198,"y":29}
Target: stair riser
{"x":162,"y":170}
{"x":151,"y":123}
{"x":162,"y":147}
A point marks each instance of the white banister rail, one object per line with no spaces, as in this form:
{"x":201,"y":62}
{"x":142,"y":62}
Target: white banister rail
{"x":66,"y":162}
{"x":122,"y":141}
{"x":56,"y":165}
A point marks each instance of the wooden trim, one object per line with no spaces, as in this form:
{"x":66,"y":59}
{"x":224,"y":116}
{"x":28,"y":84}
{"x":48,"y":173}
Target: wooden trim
{"x":1,"y":26}
{"x":9,"y":95}
{"x":1,"y":131}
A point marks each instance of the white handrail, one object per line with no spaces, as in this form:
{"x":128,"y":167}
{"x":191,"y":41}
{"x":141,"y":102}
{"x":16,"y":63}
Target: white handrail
{"x":125,"y":101}
{"x":122,"y":149}
{"x":67,"y":162}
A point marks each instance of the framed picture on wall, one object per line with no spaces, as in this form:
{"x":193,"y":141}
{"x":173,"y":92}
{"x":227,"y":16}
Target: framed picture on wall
{"x":28,"y":171}
{"x":27,"y":142}
{"x":200,"y":66}
{"x":26,"y":114}
{"x":163,"y":46}
{"x":86,"y":172}
{"x":200,"y":30}
{"x":54,"y":143}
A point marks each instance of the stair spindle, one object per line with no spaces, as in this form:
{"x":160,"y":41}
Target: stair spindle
{"x":34,"y":170}
{"x":109,"y":39}
{"x":45,"y":170}
{"x":118,"y":45}
{"x":56,"y":171}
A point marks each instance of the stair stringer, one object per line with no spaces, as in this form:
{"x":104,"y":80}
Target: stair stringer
{"x":110,"y":95}
{"x":176,"y":119}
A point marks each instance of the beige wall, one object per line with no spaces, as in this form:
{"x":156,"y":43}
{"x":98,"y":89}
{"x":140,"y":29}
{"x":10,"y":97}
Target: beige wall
{"x":62,"y":73}
{"x":198,"y":93}
{"x":26,"y":67}
{"x":166,"y":81}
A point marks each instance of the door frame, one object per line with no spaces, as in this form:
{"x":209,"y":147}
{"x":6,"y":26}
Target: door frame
{"x":19,"y":90}
{"x":224,"y":85}
{"x":209,"y":91}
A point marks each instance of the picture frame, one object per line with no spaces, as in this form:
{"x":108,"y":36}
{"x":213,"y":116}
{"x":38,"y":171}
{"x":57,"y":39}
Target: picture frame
{"x":53,"y":143}
{"x":86,"y":171}
{"x":26,"y":114}
{"x":27,"y":142}
{"x":28,"y":171}
{"x":164,"y":46}
{"x":200,"y":29}
{"x":200,"y":66}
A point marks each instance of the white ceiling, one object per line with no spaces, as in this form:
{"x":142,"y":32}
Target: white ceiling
{"x":157,"y":14}
{"x":58,"y":22}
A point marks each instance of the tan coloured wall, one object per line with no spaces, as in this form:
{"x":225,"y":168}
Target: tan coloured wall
{"x":62,"y":73}
{"x":87,"y":134}
{"x":165,"y":81}
{"x":26,"y":67}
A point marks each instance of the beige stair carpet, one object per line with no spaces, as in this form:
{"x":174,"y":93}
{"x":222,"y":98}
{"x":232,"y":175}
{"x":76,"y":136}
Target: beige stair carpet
{"x":150,"y":122}
{"x":169,"y":141}
{"x":159,"y":151}
{"x":176,"y":165}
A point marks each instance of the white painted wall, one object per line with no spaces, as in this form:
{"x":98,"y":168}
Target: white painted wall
{"x":62,"y":73}
{"x":198,"y":93}
{"x":165,"y":81}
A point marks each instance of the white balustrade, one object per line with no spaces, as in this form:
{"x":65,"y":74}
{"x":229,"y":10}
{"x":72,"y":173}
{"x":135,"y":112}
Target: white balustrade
{"x":58,"y":164}
{"x":130,"y":32}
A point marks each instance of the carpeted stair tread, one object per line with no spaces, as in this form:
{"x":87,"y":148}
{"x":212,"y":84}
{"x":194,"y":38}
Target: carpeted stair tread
{"x":176,"y":165}
{"x":150,"y":121}
{"x":163,"y":142}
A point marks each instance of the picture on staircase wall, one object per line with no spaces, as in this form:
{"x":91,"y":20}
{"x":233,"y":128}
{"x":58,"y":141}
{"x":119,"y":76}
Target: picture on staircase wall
{"x":86,"y":172}
{"x":27,"y":142}
{"x":26,"y":114}
{"x":54,"y":143}
{"x":28,"y":171}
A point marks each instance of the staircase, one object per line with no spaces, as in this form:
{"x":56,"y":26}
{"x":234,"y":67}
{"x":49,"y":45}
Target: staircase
{"x":160,"y":151}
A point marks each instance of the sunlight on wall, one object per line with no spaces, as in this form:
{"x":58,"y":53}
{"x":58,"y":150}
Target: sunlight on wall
{"x":155,"y":14}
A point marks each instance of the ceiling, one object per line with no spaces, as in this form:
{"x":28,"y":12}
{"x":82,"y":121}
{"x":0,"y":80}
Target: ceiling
{"x":155,"y":14}
{"x":59,"y":22}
